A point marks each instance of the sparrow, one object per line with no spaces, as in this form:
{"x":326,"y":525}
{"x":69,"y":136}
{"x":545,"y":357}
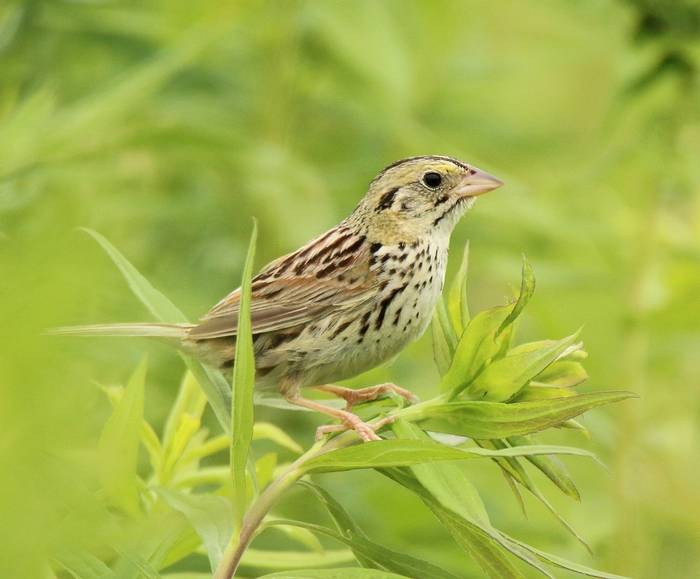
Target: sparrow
{"x":347,"y":301}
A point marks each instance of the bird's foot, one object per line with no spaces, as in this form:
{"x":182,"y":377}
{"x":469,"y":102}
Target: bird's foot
{"x":367,"y":432}
{"x":361,"y":395}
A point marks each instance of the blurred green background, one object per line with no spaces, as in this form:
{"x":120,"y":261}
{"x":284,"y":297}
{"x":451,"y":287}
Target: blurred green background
{"x":168,"y":125}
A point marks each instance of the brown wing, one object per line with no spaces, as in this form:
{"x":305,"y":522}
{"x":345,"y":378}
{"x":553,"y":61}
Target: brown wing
{"x":330,"y":273}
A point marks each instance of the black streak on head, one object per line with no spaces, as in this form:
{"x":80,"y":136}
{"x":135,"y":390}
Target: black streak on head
{"x":387,"y":199}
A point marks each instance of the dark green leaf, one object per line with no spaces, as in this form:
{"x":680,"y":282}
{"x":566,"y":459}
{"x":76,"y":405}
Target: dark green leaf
{"x":381,"y":557}
{"x":552,"y":468}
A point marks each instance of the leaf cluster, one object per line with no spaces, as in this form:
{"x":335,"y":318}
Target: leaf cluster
{"x":494,"y":397}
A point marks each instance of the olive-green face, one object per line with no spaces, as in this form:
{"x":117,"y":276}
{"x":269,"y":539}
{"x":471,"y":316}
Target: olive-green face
{"x":422,"y":194}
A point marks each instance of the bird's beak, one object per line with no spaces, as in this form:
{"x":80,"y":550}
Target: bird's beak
{"x":477,"y":183}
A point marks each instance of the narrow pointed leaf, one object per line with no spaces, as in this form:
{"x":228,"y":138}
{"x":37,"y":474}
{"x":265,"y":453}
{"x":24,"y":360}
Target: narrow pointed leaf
{"x":119,"y":445}
{"x":457,"y":303}
{"x":213,"y":383}
{"x":551,"y":467}
{"x":527,"y":289}
{"x":381,"y":557}
{"x":388,"y":453}
{"x":160,"y":306}
{"x":242,"y":412}
{"x":499,"y":420}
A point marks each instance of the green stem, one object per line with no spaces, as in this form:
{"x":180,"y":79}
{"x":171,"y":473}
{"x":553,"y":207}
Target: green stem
{"x":256,"y":513}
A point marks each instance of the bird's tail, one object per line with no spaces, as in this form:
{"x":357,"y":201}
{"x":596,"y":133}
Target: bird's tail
{"x":175,"y":332}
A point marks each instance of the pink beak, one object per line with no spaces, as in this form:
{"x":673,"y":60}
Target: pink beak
{"x":477,"y":183}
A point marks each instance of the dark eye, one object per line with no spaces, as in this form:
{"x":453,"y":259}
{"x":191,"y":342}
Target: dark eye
{"x":432,"y":179}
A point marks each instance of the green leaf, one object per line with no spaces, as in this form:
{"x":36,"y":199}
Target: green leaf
{"x":551,"y":467}
{"x":160,"y":306}
{"x":218,"y":391}
{"x":475,"y":348}
{"x":278,"y":559}
{"x":344,"y":523}
{"x":387,"y":453}
{"x":119,"y":445}
{"x":568,"y":565}
{"x":487,"y":546}
{"x":381,"y":557}
{"x":84,"y":565}
{"x":190,"y":401}
{"x":457,"y":301}
{"x":268,"y":431}
{"x":441,"y":347}
{"x":447,"y":481}
{"x":499,"y":420}
{"x":297,"y":534}
{"x":211,"y":517}
{"x":342,"y":573}
{"x":242,"y":411}
{"x":527,"y":289}
{"x":505,"y":377}
{"x":563,"y":374}
{"x":516,"y":471}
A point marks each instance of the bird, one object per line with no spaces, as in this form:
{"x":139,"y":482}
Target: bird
{"x":348,"y":300}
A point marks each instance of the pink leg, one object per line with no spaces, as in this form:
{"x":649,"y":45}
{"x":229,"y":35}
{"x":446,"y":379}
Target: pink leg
{"x":352,"y":396}
{"x":348,"y":419}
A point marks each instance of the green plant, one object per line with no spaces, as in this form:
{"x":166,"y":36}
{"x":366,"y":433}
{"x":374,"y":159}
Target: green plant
{"x":493,"y":398}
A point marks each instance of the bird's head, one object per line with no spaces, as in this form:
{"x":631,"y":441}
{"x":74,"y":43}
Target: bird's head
{"x":421,"y":196}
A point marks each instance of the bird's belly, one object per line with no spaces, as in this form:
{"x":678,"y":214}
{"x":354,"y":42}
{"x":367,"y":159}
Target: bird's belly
{"x":350,"y":342}
{"x":369,"y":341}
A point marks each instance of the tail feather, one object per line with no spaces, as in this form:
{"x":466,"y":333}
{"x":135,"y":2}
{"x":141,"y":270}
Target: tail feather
{"x":148,"y":330}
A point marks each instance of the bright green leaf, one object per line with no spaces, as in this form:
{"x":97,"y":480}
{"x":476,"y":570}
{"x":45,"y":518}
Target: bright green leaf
{"x":268,"y":431}
{"x":446,"y":481}
{"x":457,"y":301}
{"x":242,"y":412}
{"x":119,"y":445}
{"x":388,"y":453}
{"x":211,"y":517}
{"x":527,"y":289}
{"x":343,"y":573}
{"x":500,"y":420}
{"x":506,"y":376}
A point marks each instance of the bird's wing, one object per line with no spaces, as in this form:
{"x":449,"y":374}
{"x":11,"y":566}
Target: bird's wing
{"x":330,"y":273}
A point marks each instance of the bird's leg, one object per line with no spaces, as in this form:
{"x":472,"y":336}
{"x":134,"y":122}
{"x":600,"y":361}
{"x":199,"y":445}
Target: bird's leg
{"x":352,"y":396}
{"x":348,"y":419}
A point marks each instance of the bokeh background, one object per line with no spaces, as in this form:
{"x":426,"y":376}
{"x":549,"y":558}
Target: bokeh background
{"x":167,"y":126}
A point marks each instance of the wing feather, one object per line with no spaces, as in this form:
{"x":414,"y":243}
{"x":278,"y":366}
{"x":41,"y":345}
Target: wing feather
{"x":331,"y":273}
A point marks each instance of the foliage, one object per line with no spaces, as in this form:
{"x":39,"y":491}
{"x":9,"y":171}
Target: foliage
{"x":166,"y":126}
{"x":177,"y":485}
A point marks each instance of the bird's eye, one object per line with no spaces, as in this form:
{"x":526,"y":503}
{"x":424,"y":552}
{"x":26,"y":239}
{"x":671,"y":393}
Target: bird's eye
{"x":432,"y":179}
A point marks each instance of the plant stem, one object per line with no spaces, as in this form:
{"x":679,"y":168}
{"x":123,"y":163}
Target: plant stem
{"x":256,"y":513}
